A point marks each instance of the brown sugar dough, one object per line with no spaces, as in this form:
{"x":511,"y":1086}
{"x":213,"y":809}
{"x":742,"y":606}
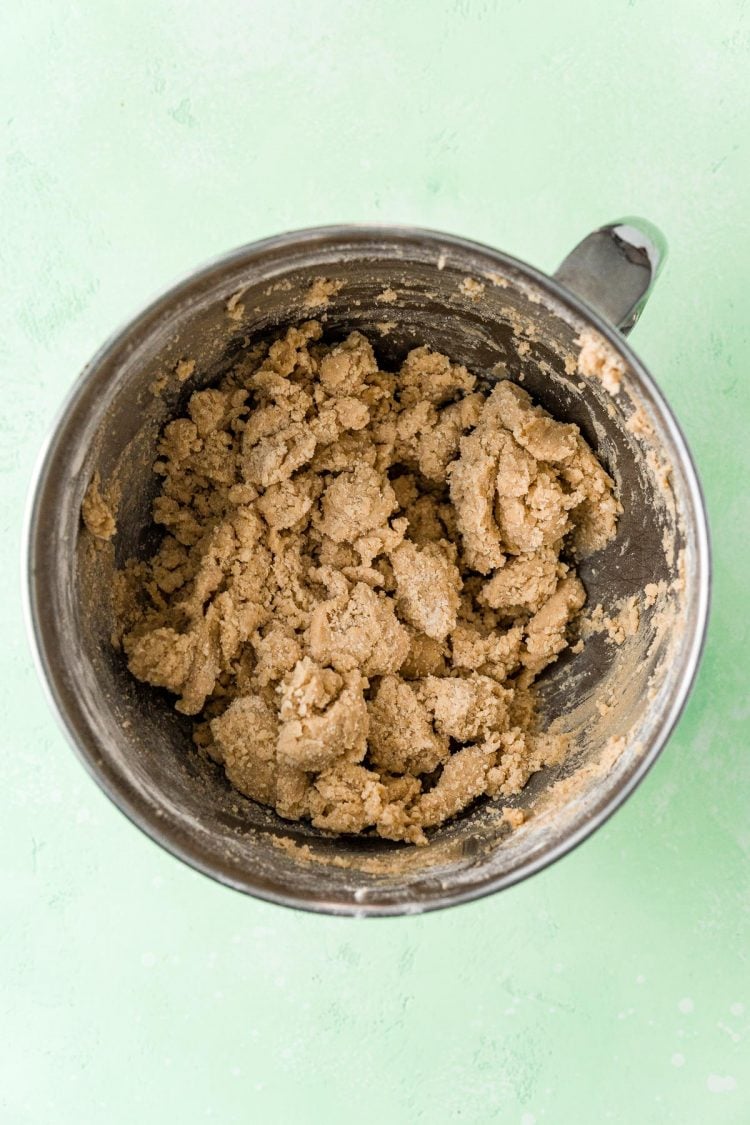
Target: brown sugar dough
{"x":359,"y":629}
{"x":96,"y":512}
{"x":323,"y":717}
{"x":427,"y":587}
{"x":402,"y":738}
{"x":361,"y":575}
{"x":464,"y":708}
{"x":356,"y":501}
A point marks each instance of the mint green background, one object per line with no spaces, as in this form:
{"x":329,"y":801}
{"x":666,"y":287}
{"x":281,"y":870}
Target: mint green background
{"x":140,"y":139}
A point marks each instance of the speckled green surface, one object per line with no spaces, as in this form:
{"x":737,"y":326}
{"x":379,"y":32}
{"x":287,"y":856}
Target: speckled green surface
{"x":139,"y":139}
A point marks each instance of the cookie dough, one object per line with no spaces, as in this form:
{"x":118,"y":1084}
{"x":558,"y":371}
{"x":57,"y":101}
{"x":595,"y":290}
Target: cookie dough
{"x":361,"y":576}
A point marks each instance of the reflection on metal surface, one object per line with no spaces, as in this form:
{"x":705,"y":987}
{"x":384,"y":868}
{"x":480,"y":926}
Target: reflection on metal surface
{"x":614,"y":269}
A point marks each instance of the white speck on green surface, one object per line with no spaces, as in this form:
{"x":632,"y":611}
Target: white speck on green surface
{"x":721,"y":1083}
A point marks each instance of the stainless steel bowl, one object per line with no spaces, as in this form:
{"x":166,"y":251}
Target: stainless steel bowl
{"x":128,"y":735}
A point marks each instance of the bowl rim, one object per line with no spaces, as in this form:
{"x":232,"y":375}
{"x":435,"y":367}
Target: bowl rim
{"x":118,"y":788}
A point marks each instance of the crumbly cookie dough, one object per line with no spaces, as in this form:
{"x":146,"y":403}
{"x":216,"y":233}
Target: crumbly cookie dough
{"x":361,"y":576}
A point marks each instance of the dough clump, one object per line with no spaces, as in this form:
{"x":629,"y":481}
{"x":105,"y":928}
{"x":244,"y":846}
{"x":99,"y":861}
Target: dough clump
{"x":361,"y":575}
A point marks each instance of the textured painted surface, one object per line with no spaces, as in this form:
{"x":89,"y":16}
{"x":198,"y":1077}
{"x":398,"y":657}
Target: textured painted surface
{"x":139,"y":139}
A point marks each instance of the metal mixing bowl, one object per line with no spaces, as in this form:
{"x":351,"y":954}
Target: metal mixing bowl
{"x":523,"y":322}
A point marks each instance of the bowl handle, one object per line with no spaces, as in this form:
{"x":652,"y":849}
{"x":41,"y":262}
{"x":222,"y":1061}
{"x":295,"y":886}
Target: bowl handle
{"x":614,"y":269}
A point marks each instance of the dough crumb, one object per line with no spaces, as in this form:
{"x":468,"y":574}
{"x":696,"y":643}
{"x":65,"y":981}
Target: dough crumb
{"x":639,"y":424}
{"x":597,"y":359}
{"x":621,"y":625}
{"x":184,"y":369}
{"x":236,"y":310}
{"x":497,"y":280}
{"x":387,"y":297}
{"x":96,"y":512}
{"x":514,"y":817}
{"x":362,"y":573}
{"x":652,"y":592}
{"x":320,"y":292}
{"x":472,"y":288}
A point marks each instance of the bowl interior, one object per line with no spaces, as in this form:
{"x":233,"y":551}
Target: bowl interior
{"x":618,"y":700}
